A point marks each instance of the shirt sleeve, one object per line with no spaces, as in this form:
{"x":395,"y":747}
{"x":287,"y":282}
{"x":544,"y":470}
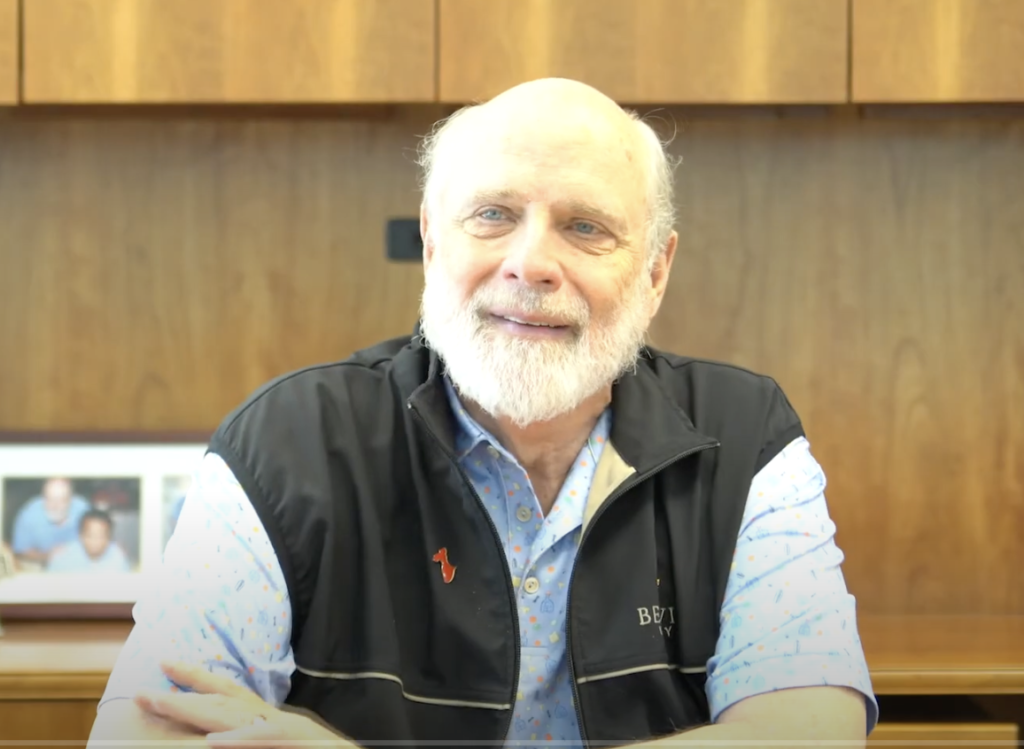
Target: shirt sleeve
{"x":787,"y":619}
{"x":220,"y":599}
{"x":22,"y":540}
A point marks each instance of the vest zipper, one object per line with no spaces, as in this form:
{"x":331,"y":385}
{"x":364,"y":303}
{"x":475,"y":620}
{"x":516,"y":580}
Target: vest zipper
{"x":623,"y":488}
{"x":501,"y":552}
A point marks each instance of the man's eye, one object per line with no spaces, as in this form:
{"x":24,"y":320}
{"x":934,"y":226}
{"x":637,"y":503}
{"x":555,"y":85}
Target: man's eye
{"x":585,"y":227}
{"x":491,"y":214}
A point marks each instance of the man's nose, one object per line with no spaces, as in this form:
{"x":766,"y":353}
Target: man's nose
{"x":533,"y":256}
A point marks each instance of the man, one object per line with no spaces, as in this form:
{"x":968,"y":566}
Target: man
{"x":519,"y":524}
{"x":47,"y":522}
{"x":93,"y":550}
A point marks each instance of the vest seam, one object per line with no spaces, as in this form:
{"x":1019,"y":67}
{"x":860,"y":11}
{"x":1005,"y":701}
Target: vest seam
{"x":643,"y":669}
{"x":384,"y":676}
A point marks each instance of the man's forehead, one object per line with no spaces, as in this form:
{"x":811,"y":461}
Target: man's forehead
{"x":570,"y":176}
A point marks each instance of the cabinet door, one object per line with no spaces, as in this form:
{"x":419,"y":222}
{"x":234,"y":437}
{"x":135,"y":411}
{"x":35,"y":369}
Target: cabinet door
{"x":8,"y":51}
{"x":939,"y":51}
{"x":228,"y":51}
{"x":649,"y":51}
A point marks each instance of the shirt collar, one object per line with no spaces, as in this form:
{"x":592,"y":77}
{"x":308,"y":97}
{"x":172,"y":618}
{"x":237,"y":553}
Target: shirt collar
{"x":468,"y":432}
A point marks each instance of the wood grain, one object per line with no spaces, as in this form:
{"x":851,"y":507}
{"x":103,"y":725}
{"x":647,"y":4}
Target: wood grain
{"x":657,"y":51}
{"x":230,"y":51}
{"x":935,"y":735}
{"x":937,"y":50}
{"x":158,"y":272}
{"x":9,"y":46}
{"x":39,"y":722}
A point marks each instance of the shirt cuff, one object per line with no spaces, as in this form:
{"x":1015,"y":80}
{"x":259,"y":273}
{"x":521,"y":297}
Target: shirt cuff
{"x":773,"y":674}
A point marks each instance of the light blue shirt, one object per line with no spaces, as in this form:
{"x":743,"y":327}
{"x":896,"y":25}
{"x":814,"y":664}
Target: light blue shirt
{"x":73,"y":558}
{"x":34,"y":530}
{"x":787,"y":619}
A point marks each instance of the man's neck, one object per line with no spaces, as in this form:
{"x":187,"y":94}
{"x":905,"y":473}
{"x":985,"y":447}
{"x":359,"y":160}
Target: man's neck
{"x":546,"y":449}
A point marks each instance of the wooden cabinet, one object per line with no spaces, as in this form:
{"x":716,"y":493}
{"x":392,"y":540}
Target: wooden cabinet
{"x":228,"y":51}
{"x":649,"y":51}
{"x":940,"y":51}
{"x":382,"y":51}
{"x":8,"y":51}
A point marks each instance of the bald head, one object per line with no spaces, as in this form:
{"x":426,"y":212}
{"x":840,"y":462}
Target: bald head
{"x":558,"y":107}
{"x":554,"y":122}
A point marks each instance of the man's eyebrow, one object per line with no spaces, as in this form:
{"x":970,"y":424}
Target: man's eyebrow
{"x":492,"y":196}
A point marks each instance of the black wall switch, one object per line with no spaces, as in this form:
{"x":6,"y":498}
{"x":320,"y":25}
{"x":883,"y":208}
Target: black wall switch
{"x":403,"y":241}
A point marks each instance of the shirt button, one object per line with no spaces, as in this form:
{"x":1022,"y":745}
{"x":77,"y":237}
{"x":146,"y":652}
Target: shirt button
{"x":532,"y":585}
{"x":524,"y":513}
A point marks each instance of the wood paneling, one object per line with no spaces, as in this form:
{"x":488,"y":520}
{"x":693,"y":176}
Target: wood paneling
{"x":8,"y":51}
{"x":657,"y":51}
{"x":154,"y":273}
{"x":233,"y":51}
{"x":938,"y":50}
{"x":935,"y":735}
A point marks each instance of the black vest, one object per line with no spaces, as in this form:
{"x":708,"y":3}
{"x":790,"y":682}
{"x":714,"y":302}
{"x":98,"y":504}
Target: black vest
{"x":351,"y":468}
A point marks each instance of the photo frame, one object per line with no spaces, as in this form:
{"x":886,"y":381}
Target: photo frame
{"x":84,"y":517}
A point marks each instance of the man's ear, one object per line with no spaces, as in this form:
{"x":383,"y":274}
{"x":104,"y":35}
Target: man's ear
{"x":660,"y":272}
{"x":428,"y":242}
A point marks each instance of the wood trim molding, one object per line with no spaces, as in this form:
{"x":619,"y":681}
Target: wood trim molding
{"x":948,"y":681}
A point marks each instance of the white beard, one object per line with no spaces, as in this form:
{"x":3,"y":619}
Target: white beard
{"x":522,"y":379}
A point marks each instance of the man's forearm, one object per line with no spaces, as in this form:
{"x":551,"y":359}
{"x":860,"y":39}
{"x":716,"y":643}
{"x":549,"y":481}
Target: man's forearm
{"x":121,"y":720}
{"x":711,"y":736}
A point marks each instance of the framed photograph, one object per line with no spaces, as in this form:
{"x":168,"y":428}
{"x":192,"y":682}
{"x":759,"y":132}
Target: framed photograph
{"x":85,"y":517}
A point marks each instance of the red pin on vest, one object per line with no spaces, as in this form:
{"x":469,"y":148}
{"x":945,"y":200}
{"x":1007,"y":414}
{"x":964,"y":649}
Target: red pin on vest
{"x":447,"y":568}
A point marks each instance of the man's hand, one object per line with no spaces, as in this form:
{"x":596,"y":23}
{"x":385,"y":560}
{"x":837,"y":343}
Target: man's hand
{"x":231,"y":715}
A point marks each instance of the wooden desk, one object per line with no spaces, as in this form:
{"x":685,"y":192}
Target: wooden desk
{"x":58,"y":660}
{"x":906,"y":655}
{"x":52,"y":674}
{"x":928,"y":655}
{"x":51,"y":677}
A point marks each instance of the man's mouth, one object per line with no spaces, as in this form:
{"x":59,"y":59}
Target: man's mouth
{"x":530,"y":325}
{"x":521,"y":321}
